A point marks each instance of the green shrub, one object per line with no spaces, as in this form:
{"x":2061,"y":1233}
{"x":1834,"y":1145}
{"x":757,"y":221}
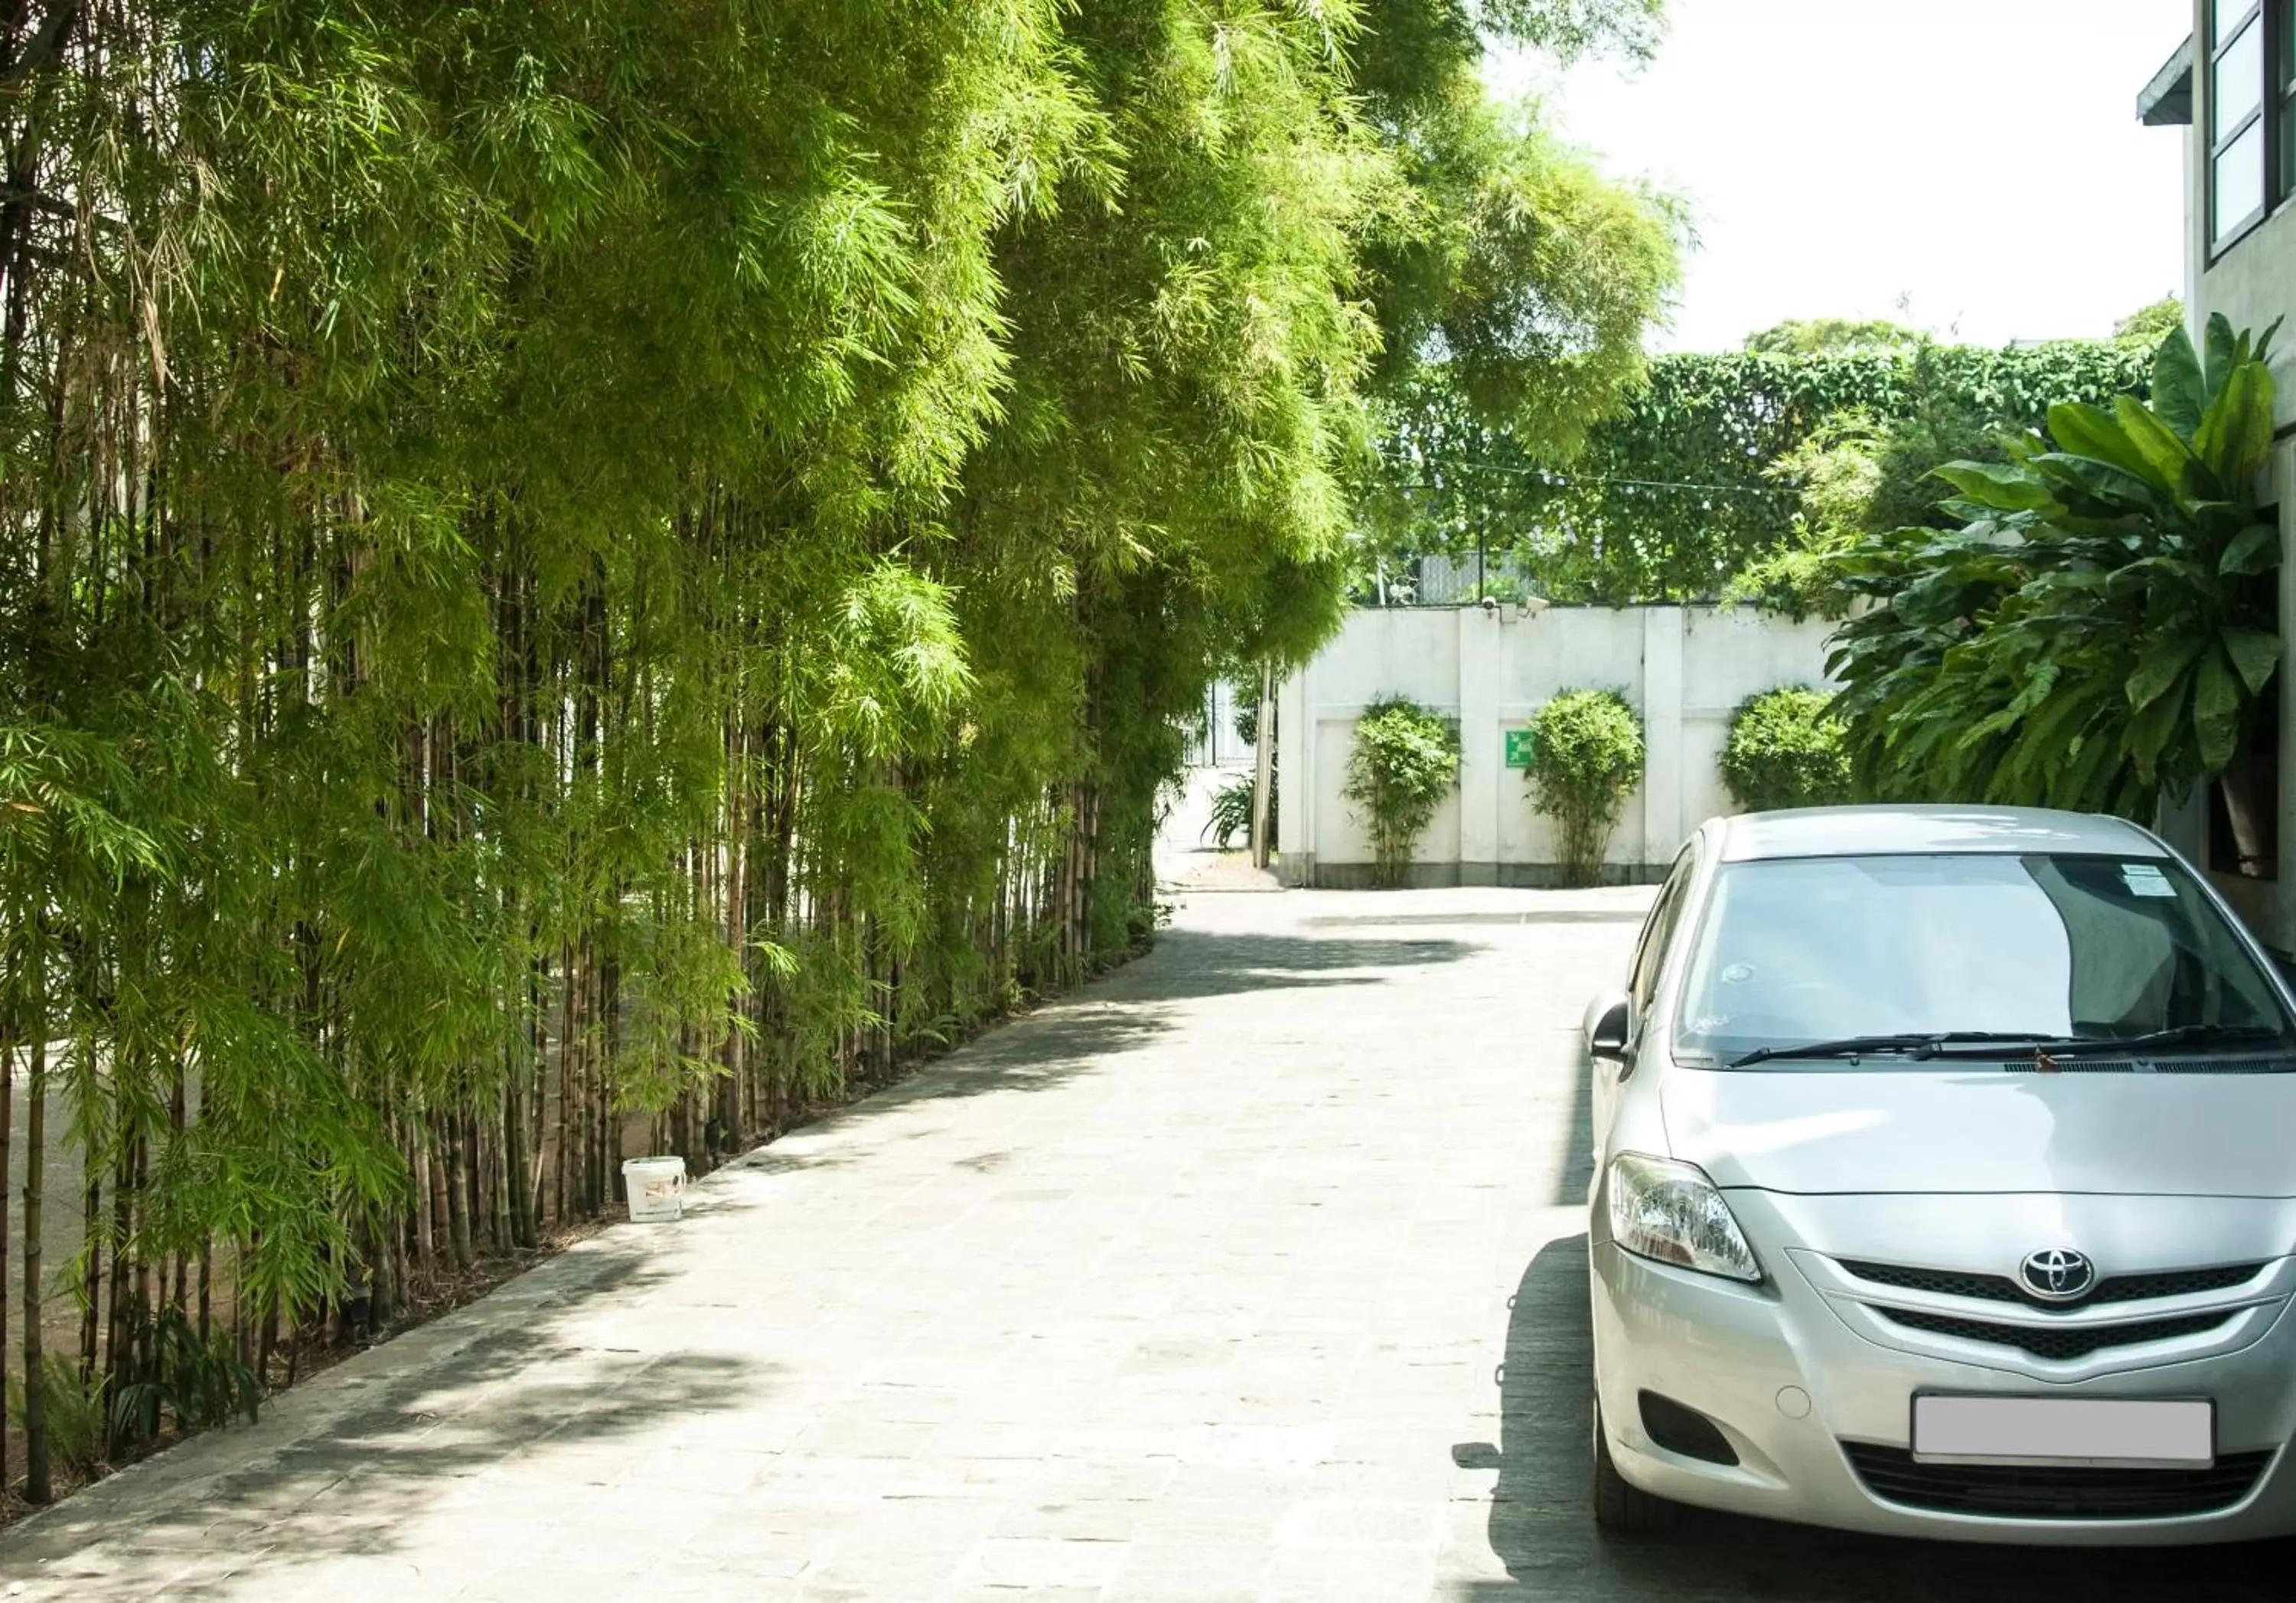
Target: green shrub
{"x":1404,"y":762}
{"x":1588,"y":760}
{"x":202,"y":1383}
{"x":1787,"y":749}
{"x":72,"y":1409}
{"x":1232,"y":811}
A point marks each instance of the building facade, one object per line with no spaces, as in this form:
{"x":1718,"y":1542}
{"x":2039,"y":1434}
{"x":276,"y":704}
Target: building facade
{"x":2232,"y":89}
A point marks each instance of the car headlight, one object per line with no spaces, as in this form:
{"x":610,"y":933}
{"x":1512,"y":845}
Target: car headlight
{"x":1672,"y":1213}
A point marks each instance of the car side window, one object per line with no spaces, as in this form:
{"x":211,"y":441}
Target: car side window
{"x":1656,"y":932}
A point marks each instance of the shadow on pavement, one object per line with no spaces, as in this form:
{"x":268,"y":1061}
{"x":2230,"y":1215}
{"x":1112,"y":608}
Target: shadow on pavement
{"x":1033,"y":1052}
{"x":1541,"y":1530}
{"x":1198,"y":962}
{"x":1117,"y":1015}
{"x":337,"y":1471}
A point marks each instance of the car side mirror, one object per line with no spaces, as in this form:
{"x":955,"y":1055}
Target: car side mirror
{"x":1606,"y":1027}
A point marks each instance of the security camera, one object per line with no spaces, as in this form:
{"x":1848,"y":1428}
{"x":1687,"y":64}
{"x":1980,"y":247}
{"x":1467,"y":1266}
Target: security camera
{"x":1491,"y":606}
{"x":1533,"y":606}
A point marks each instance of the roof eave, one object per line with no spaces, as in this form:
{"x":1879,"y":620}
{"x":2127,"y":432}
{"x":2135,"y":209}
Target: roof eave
{"x":2166,"y":102}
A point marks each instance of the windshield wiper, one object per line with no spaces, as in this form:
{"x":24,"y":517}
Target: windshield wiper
{"x":2183,"y":1035}
{"x":1924,"y":1045}
{"x":1916,"y":1044}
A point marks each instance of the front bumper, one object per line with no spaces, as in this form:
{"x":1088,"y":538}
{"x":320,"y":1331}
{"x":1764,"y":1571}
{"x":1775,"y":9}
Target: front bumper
{"x":1793,"y":1370}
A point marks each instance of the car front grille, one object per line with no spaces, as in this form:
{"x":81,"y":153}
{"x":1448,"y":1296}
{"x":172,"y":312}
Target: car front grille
{"x":2057,"y":1341}
{"x":2001,"y":1288}
{"x":2022,"y":1491}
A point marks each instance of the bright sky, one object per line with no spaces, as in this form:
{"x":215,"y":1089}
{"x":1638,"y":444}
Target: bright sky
{"x":1980,"y":160}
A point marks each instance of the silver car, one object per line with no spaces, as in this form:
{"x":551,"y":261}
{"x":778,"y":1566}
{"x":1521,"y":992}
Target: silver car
{"x":1944,"y":1185}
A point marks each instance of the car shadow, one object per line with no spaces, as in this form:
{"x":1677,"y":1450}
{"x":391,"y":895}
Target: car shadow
{"x":1540,"y":1527}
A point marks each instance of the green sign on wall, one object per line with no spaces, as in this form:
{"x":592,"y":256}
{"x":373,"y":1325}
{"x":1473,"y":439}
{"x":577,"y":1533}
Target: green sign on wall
{"x":1518,"y":748}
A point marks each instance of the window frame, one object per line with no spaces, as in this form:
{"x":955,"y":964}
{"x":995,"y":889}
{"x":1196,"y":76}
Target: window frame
{"x":2274,"y":118}
{"x":2280,"y":96}
{"x":1658,"y":935}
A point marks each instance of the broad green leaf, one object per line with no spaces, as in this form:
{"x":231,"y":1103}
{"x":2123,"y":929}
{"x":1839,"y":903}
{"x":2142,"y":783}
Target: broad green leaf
{"x":1986,"y":729}
{"x":2052,"y":727}
{"x":2255,"y":654}
{"x":2004,"y":489}
{"x":2236,"y":437}
{"x":2039,"y":689}
{"x":2122,"y":490}
{"x":2224,"y":354}
{"x":2169,"y":453}
{"x":2179,"y":393}
{"x":2215,"y":711}
{"x":2159,"y":668}
{"x":2256,"y":550}
{"x":2088,"y":775}
{"x":2150,"y":730}
{"x":2085,"y":430}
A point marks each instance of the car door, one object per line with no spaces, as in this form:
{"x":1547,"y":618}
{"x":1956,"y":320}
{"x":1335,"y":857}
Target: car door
{"x":1643,"y":978}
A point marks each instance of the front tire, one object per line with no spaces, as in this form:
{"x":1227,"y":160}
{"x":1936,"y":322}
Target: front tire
{"x":1622,"y":1508}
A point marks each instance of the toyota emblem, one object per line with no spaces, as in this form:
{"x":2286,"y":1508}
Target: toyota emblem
{"x":2058,"y":1275}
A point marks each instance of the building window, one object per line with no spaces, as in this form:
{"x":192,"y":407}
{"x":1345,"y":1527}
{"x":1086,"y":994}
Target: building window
{"x":2251,"y":113}
{"x":2284,"y":78}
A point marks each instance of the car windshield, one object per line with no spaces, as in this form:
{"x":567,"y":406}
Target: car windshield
{"x":1799,"y":951}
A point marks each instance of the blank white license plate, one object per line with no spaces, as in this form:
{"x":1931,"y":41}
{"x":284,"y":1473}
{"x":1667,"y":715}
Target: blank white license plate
{"x":2120,"y":1431}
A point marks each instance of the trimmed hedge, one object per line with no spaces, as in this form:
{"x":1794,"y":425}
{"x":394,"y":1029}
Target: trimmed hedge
{"x":1589,"y":758}
{"x":1786,"y":749}
{"x":1405,"y":761}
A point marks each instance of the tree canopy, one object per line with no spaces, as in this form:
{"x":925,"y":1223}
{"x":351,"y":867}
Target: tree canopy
{"x":1702,"y":474}
{"x":1820,"y":336}
{"x":2149,"y":325}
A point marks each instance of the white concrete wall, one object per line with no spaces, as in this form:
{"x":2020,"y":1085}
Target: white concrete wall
{"x":1685,"y":669}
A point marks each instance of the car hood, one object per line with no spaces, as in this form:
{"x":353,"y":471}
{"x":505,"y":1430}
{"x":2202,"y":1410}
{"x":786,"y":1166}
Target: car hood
{"x":1945,"y":1131}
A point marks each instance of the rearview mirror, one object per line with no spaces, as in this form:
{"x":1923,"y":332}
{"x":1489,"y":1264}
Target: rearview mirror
{"x":1606,"y":1027}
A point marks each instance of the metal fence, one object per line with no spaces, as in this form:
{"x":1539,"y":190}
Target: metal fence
{"x":1438,"y":581}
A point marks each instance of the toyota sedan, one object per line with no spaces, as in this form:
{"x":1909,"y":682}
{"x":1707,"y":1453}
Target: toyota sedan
{"x":1945,"y":1186}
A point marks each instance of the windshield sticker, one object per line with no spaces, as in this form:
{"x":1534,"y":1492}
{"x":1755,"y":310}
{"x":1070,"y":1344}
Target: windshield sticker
{"x":1737,"y":974}
{"x":2142,"y":879}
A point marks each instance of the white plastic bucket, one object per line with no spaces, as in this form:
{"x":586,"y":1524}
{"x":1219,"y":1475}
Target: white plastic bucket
{"x":657,"y":1188}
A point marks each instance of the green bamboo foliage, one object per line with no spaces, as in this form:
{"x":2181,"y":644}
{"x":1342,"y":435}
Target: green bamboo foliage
{"x":582,"y":580}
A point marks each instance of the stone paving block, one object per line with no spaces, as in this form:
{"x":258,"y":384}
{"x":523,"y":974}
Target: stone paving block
{"x":1165,"y":1571}
{"x":1027,"y":1563}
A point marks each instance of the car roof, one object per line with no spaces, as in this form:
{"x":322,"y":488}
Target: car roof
{"x":1881,"y":831}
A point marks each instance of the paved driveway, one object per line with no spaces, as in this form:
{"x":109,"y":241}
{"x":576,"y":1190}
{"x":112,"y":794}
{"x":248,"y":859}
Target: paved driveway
{"x":1256,"y":1273}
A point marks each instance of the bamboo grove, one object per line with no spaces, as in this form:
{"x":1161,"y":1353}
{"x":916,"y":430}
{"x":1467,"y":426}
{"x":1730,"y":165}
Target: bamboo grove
{"x":593,"y":571}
